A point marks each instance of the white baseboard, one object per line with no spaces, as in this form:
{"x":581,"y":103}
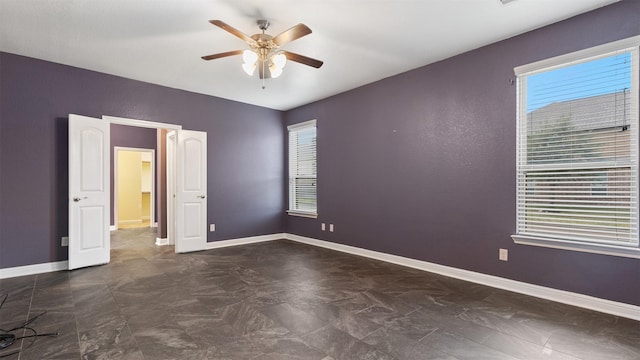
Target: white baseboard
{"x":155,"y":224}
{"x":33,"y":269}
{"x":244,"y":241}
{"x":127,"y":222}
{"x":561,"y":296}
{"x":162,"y":242}
{"x":113,"y":228}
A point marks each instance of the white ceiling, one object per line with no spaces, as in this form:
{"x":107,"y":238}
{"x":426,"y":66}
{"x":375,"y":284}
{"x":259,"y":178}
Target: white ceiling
{"x":360,"y":41}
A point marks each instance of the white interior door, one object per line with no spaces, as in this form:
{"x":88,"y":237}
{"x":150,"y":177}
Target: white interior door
{"x":191,"y":191}
{"x":89,"y":189}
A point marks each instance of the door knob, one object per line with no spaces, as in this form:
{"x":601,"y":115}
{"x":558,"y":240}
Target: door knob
{"x":76,"y":199}
{"x":201,"y":196}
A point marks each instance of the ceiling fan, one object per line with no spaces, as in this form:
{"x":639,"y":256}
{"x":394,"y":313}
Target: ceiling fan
{"x":265,"y":53}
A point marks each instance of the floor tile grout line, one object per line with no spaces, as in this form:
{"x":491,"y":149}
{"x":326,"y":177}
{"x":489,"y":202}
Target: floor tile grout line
{"x":75,"y":315}
{"x":483,"y":345}
{"x":33,"y":292}
{"x":430,"y":332}
{"x":126,"y":323}
{"x":502,"y":332}
{"x":530,"y":342}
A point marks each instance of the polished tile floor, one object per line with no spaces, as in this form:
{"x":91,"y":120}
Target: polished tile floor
{"x":284,"y":300}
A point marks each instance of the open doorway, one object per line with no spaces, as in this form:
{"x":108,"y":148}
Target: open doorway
{"x":89,"y":171}
{"x":142,"y":147}
{"x":134,"y":187}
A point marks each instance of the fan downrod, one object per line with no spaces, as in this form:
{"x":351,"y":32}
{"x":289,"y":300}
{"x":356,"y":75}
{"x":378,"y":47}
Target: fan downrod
{"x":263,"y":25}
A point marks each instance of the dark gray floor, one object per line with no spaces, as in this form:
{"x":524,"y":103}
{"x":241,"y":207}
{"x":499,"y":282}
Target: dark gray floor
{"x":283,"y":300}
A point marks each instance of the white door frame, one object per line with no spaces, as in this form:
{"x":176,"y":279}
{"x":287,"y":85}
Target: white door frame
{"x":152,"y":200}
{"x":142,"y":124}
{"x":171,"y":141}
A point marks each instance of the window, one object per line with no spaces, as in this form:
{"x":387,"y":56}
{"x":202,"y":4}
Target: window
{"x":577,"y":151}
{"x":302,"y":169}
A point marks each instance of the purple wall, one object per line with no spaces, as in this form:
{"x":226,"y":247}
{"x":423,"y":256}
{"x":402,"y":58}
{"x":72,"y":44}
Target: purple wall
{"x":245,"y":154}
{"x":422,"y":165}
{"x":135,"y":137}
{"x":419,"y":165}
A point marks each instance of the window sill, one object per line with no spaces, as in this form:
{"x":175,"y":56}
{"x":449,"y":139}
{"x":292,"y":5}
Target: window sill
{"x":613,"y":250}
{"x":302,"y":214}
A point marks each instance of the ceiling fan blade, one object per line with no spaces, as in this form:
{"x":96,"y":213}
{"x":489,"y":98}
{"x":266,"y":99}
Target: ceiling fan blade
{"x":294,"y":33}
{"x":303,"y":59}
{"x":221,"y":55}
{"x":230,"y":29}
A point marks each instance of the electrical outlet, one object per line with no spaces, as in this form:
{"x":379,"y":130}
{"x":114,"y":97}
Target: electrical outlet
{"x":64,"y":241}
{"x":331,"y":227}
{"x":212,"y":227}
{"x":503,"y":255}
{"x":323,"y":227}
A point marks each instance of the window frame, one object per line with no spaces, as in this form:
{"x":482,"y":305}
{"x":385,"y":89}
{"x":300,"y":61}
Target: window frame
{"x":632,"y":45}
{"x":291,"y":188}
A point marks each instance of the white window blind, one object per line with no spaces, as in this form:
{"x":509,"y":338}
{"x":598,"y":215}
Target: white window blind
{"x":577,"y":150}
{"x":302,"y":169}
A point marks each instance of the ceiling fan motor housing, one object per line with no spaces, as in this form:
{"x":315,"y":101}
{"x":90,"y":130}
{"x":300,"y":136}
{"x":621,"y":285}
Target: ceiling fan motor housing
{"x":264,"y":45}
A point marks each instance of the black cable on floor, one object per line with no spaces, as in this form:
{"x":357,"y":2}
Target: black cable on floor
{"x":7,"y":338}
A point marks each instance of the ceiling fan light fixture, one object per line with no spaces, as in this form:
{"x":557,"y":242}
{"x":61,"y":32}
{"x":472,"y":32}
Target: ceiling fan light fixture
{"x":249,"y":68}
{"x":249,"y":57}
{"x":274,"y":70}
{"x":279,"y":60}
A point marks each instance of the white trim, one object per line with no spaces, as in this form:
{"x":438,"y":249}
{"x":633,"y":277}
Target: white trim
{"x":561,"y":296}
{"x":113,"y":228}
{"x":33,"y":269}
{"x":292,"y":198}
{"x":126,"y":222}
{"x":155,"y":225}
{"x":140,"y":123}
{"x":302,"y":125}
{"x":630,"y":252}
{"x":244,"y":241}
{"x":170,"y":181}
{"x":162,"y":242}
{"x":306,"y":214}
{"x":580,"y":55}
